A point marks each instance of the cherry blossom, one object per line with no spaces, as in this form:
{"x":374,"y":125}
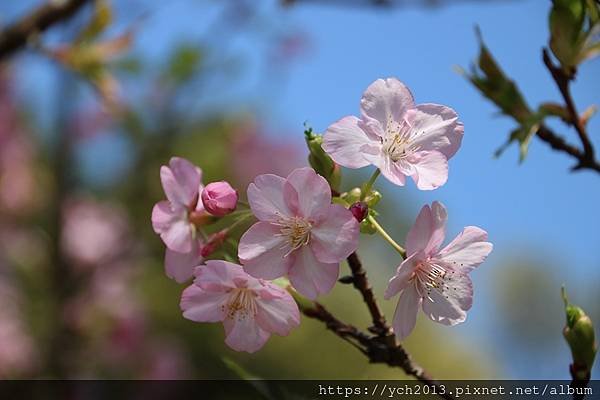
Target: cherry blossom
{"x":398,"y":137}
{"x":219,"y":198}
{"x":173,"y":218}
{"x":299,"y":233}
{"x":437,"y":280}
{"x":251,"y":309}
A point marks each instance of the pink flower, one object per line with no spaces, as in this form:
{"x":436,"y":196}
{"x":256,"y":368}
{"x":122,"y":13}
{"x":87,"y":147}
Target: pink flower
{"x":299,"y":233}
{"x":93,"y":233}
{"x":219,"y":198}
{"x":250,"y":309}
{"x":180,"y":266}
{"x":398,"y":137}
{"x":436,"y":279}
{"x":172,"y":218}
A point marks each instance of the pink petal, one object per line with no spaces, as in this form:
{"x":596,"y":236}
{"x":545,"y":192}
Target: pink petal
{"x":403,"y":274}
{"x":180,"y":181}
{"x":428,"y":231}
{"x":343,"y":141}
{"x":405,"y":316}
{"x":263,"y":251}
{"x":202,"y":306}
{"x":336,"y":237}
{"x":431,"y":169}
{"x":439,"y":128}
{"x":244,"y":334}
{"x":180,"y":266}
{"x":307,"y":194}
{"x":309,"y":276}
{"x":173,"y":227}
{"x":386,"y":99}
{"x":450,"y":306}
{"x":265,"y":196}
{"x":394,"y":172}
{"x":469,"y":249}
{"x":219,"y":275}
{"x":277,"y":314}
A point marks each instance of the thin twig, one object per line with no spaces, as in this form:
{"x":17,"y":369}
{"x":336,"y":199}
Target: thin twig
{"x":560,"y":144}
{"x":361,"y":283}
{"x":378,"y":349}
{"x":15,"y":36}
{"x":563,"y":79}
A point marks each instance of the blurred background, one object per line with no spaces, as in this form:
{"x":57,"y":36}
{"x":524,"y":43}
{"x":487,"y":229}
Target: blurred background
{"x":229,"y":85}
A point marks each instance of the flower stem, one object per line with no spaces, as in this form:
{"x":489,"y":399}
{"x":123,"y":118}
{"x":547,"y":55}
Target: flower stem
{"x":387,"y":237}
{"x":369,"y":185}
{"x":244,"y":216}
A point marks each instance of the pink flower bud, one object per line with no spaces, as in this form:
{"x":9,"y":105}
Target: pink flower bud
{"x":359,"y":210}
{"x":219,"y":198}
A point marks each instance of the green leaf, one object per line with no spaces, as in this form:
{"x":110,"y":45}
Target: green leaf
{"x":591,"y":45}
{"x":184,"y":63}
{"x":487,"y":76}
{"x":566,"y":30}
{"x":523,"y":135}
{"x":101,"y":18}
{"x":593,"y":11}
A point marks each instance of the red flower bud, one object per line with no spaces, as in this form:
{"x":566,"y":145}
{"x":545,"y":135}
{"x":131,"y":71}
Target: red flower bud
{"x":360,"y":210}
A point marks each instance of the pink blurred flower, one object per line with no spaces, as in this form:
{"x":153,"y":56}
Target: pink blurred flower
{"x":219,"y":198}
{"x":436,"y":279}
{"x":250,"y":148}
{"x":250,"y":309}
{"x":172,"y":218}
{"x":299,"y":233}
{"x":398,"y":137}
{"x":166,"y":361}
{"x":93,"y":233}
{"x":17,"y":352}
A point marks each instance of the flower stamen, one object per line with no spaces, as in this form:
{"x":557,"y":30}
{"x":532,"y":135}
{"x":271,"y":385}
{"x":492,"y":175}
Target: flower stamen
{"x":296,"y":230}
{"x":241,"y":304}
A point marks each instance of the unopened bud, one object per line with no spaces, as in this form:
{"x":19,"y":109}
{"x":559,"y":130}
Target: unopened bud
{"x":219,"y":198}
{"x":367,"y":227}
{"x":352,"y":196}
{"x":320,"y":161}
{"x":360,"y":210}
{"x":579,"y":334}
{"x":373,"y":198}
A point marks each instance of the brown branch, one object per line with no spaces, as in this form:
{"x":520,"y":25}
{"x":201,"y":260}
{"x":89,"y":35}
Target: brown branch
{"x":586,"y":157}
{"x":378,"y":348}
{"x":578,"y":380}
{"x":361,"y":283}
{"x":15,"y":36}
{"x":560,"y":144}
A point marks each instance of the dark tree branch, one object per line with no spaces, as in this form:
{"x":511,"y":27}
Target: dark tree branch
{"x":560,"y":144}
{"x":586,"y":158}
{"x":15,"y":36}
{"x":361,"y":283}
{"x":378,"y":349}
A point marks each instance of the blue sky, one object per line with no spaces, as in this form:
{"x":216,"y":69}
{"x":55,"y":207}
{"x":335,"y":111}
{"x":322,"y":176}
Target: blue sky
{"x":538,"y":208}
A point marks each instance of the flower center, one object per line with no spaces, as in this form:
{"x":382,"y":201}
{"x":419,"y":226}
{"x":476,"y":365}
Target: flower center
{"x":241,"y":304}
{"x":296,"y":230}
{"x":431,"y":276}
{"x":397,"y":140}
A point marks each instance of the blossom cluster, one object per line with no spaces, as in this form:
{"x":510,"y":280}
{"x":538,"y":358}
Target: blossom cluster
{"x":304,"y":229}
